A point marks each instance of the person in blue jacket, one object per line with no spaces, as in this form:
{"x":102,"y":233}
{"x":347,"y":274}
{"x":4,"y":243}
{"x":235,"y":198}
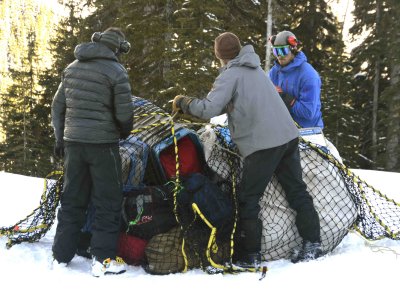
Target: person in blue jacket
{"x":298,"y":83}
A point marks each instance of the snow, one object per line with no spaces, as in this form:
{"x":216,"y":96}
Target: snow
{"x":356,"y":264}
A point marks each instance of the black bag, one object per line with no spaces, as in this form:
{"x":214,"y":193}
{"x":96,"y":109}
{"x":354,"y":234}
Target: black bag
{"x":148,"y":211}
{"x":212,"y":202}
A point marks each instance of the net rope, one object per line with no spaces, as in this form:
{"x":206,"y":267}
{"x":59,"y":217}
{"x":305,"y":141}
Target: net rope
{"x":343,"y":200}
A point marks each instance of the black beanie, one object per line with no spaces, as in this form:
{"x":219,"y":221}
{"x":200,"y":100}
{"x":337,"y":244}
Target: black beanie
{"x":227,"y":46}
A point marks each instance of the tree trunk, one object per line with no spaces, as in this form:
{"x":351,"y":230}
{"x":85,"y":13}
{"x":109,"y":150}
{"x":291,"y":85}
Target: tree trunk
{"x":374,"y":147}
{"x":269,"y":33}
{"x":392,"y":160}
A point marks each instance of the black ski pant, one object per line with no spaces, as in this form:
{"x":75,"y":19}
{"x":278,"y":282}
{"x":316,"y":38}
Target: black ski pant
{"x":258,"y":169}
{"x":91,"y":172}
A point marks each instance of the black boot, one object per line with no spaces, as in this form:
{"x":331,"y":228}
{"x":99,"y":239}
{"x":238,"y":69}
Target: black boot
{"x":309,"y":251}
{"x":249,"y":245}
{"x":249,"y":261}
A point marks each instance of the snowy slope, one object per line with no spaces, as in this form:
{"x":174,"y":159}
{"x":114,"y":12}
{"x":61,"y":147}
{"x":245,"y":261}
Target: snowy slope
{"x":355,"y":264}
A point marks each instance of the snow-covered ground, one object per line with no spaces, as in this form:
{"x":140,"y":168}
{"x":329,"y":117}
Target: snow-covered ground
{"x":356,"y":264}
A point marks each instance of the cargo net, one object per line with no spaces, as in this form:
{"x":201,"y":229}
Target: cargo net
{"x":168,"y":217}
{"x":38,"y":222}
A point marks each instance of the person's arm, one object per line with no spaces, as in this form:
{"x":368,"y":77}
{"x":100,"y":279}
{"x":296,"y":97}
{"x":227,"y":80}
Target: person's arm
{"x":58,"y":107}
{"x":308,"y":102}
{"x":216,"y":101}
{"x":123,"y":105}
{"x":288,"y":99}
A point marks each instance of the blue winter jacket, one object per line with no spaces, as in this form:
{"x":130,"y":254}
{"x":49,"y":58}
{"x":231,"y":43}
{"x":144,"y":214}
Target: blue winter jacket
{"x":300,"y":80}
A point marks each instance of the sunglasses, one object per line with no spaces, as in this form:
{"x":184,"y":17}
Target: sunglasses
{"x":280,"y":51}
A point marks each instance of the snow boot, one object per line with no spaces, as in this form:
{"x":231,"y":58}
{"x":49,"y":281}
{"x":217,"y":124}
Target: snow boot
{"x":309,"y":251}
{"x":108,"y":266}
{"x":249,"y":244}
{"x":248,"y":261}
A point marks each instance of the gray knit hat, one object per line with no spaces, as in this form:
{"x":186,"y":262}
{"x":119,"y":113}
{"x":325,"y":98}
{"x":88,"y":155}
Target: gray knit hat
{"x":227,"y":46}
{"x":112,"y":38}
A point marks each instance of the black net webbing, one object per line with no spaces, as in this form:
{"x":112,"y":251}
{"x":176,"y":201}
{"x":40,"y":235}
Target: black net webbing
{"x":190,"y":240}
{"x":39,"y":221}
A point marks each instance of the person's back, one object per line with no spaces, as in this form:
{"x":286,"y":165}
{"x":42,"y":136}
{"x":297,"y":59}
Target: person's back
{"x":97,"y":94}
{"x":91,"y":111}
{"x":257,"y":117}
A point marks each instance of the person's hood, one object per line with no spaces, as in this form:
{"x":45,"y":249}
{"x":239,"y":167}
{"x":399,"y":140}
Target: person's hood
{"x":298,"y":60}
{"x":93,"y":50}
{"x":247,"y":57}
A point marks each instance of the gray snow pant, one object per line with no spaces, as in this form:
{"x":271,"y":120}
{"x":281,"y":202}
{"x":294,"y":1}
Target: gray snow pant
{"x":91,"y":172}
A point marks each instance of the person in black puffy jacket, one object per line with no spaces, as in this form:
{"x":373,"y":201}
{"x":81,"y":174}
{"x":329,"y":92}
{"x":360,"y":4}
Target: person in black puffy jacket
{"x":92,"y":109}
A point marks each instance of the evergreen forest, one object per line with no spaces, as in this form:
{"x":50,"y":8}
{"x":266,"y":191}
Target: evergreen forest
{"x":172,"y":53}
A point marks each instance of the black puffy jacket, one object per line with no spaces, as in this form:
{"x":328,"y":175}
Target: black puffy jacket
{"x":93,"y":103}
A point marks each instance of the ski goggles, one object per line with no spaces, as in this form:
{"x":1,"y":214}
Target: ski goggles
{"x":281,"y":51}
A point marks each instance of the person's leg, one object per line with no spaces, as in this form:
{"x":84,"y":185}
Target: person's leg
{"x":258,"y":169}
{"x":289,"y":174}
{"x":105,"y":170}
{"x":74,"y":200}
{"x":83,"y":248}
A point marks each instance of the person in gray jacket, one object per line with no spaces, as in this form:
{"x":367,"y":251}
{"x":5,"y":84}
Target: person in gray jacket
{"x":92,"y":109}
{"x":267,"y":138}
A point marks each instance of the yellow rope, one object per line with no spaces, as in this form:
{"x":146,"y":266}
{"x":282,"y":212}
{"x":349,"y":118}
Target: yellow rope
{"x":212,"y":245}
{"x":177,"y":187}
{"x":212,"y":240}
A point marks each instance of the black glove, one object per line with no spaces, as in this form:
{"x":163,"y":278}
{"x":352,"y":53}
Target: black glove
{"x":59,"y":150}
{"x":288,"y":100}
{"x":124,"y":134}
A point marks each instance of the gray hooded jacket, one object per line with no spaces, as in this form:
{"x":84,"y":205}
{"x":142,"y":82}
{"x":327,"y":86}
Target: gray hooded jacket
{"x":257,"y":117}
{"x":93,"y":103}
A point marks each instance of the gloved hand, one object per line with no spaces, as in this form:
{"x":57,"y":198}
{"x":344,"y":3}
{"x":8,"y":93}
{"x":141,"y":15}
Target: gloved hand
{"x":124,"y":134}
{"x":288,"y":100}
{"x":176,"y":103}
{"x":59,"y":150}
{"x":279,"y":89}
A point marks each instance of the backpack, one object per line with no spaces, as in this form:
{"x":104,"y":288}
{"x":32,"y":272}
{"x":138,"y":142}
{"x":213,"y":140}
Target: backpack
{"x":190,"y":156}
{"x":212,"y":202}
{"x":134,"y":155}
{"x":148,"y":211}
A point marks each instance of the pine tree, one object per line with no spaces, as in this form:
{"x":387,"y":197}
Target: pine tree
{"x":391,"y":94}
{"x":23,"y":149}
{"x":197,"y":24}
{"x":375,"y":59}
